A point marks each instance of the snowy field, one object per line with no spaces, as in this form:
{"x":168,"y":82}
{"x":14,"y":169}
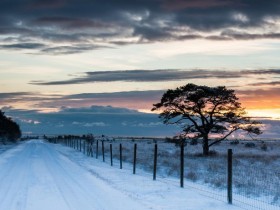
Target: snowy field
{"x":38,"y":175}
{"x":256,"y":168}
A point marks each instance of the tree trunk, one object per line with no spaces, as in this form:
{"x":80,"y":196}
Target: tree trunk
{"x":205,"y":146}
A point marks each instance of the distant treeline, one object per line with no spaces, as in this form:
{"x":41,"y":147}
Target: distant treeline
{"x":9,"y":130}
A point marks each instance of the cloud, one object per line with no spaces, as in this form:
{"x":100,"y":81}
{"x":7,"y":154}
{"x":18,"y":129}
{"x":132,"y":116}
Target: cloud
{"x":99,"y":110}
{"x":50,"y":4}
{"x":198,"y":4}
{"x":94,"y":124}
{"x":27,"y":99}
{"x":266,"y":92}
{"x":69,"y":23}
{"x":235,"y":35}
{"x":263,"y":71}
{"x":91,"y":124}
{"x":253,"y":95}
{"x":14,"y":94}
{"x":118,"y":95}
{"x":266,"y":98}
{"x":69,"y":49}
{"x":129,"y":22}
{"x":130,"y":99}
{"x":275,"y":83}
{"x":107,"y":120}
{"x":154,"y":76}
{"x":22,"y":46}
{"x":271,"y":129}
{"x":95,"y":119}
{"x":142,"y":76}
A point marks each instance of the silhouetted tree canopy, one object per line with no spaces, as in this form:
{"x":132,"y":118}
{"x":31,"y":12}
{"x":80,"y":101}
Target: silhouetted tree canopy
{"x":205,"y":112}
{"x":9,"y":130}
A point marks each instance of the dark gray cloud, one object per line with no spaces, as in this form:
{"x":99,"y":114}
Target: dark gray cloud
{"x":69,"y":23}
{"x":262,"y":71}
{"x":275,"y":83}
{"x":131,"y":99}
{"x":143,"y":95}
{"x":22,"y":46}
{"x":69,"y":49}
{"x":14,"y":94}
{"x":73,"y":22}
{"x":231,"y":34}
{"x":7,"y":99}
{"x":49,"y":4}
{"x":95,"y":119}
{"x":142,"y":76}
{"x":154,"y":76}
{"x":107,"y":120}
{"x":100,"y":110}
{"x":268,"y":93}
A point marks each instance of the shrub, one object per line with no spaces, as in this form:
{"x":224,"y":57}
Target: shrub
{"x":192,"y":176}
{"x":213,"y":167}
{"x":250,"y":145}
{"x":193,"y":142}
{"x":234,"y":142}
{"x":264,"y":147}
{"x":213,"y":153}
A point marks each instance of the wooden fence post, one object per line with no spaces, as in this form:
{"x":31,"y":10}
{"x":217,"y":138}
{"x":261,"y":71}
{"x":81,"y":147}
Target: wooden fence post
{"x":155,"y":163}
{"x":84,"y":146}
{"x":87,"y":148}
{"x":229,"y":184}
{"x":111,"y":154}
{"x":182,"y":165}
{"x":103,"y":152}
{"x":120,"y":156}
{"x":91,"y":148}
{"x":97,"y":149}
{"x":134,"y":159}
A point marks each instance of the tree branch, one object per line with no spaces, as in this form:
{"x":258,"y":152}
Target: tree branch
{"x":217,"y":141}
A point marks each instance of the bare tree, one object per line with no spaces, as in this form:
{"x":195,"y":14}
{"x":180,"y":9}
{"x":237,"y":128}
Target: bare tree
{"x":205,"y":112}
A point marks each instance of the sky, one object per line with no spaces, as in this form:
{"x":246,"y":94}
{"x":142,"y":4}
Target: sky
{"x":60,"y":55}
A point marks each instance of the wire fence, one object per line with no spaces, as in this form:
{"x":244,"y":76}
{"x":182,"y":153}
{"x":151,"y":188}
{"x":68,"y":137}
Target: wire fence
{"x":255,"y":180}
{"x":255,"y":185}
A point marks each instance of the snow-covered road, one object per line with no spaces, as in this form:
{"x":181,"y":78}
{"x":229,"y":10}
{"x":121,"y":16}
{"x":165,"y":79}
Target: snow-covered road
{"x":36,"y":175}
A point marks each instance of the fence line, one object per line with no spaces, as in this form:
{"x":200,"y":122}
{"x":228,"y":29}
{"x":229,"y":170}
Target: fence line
{"x":230,"y":182}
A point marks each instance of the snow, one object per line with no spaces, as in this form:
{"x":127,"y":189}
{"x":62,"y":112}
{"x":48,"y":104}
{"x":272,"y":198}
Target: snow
{"x":38,"y":175}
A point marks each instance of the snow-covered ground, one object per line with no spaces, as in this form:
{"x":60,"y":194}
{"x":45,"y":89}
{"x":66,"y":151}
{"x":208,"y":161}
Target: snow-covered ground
{"x":38,"y":175}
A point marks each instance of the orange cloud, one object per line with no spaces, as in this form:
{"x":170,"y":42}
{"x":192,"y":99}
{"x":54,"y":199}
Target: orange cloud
{"x":260,"y":98}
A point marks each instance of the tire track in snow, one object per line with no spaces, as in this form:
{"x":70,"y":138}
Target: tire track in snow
{"x":14,"y":178}
{"x":71,"y":191}
{"x":88,"y":189}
